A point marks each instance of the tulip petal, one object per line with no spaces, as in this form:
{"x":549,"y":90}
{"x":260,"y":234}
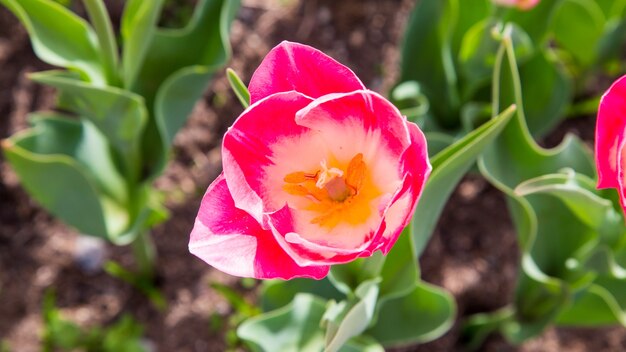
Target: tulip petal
{"x":610,"y":128}
{"x":293,"y":66}
{"x":306,"y":252}
{"x":247,"y":148}
{"x":230,"y":240}
{"x":361,"y":110}
{"x":415,"y":165}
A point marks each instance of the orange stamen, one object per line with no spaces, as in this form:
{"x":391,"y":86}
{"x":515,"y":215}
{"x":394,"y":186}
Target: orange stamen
{"x":335,"y":193}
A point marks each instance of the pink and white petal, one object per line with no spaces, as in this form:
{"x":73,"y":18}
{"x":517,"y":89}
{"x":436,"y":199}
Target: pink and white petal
{"x":367,"y":112}
{"x":306,"y":252}
{"x":293,"y":66}
{"x":417,"y":168}
{"x":610,"y":128}
{"x":247,"y":147}
{"x":231,"y":240}
{"x":621,"y":175}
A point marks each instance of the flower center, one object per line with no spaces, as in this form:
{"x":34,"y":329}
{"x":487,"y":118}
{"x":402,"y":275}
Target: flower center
{"x":334,"y":195}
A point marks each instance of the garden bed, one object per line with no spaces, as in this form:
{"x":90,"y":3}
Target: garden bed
{"x":476,"y":261}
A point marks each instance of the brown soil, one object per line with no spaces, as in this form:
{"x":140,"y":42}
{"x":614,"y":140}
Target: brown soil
{"x":474,"y":259}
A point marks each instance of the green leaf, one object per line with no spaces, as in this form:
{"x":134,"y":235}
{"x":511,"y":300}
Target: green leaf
{"x":240,"y":89}
{"x":535,"y":22}
{"x":596,"y":307}
{"x":578,"y":26}
{"x":423,"y":315}
{"x":203,"y":42}
{"x":355,"y":320}
{"x":294,"y":327}
{"x":547,"y":91}
{"x":181,"y":59}
{"x":429,"y":31}
{"x":118,"y":114}
{"x":549,"y":233}
{"x":124,"y":336}
{"x":612,"y":9}
{"x":278,"y":293}
{"x":399,"y":272}
{"x":575,"y":190}
{"x":138,"y":26}
{"x":478,"y":52}
{"x":174,"y":102}
{"x":413,"y":104}
{"x":80,"y":140}
{"x":57,"y":332}
{"x":469,"y":14}
{"x":347,"y":277}
{"x":362,"y":343}
{"x":61,"y":184}
{"x":60,"y":37}
{"x":449,"y":166}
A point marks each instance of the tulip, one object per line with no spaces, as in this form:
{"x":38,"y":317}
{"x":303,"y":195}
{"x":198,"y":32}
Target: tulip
{"x":317,"y":171}
{"x":523,"y":5}
{"x":610,"y":128}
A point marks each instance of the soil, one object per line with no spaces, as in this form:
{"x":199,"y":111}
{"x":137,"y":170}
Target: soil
{"x":475,"y":260}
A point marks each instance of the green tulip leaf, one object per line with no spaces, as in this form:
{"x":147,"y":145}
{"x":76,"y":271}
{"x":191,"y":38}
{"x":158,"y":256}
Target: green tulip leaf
{"x":362,"y":343}
{"x":278,"y":293}
{"x":424,"y":314}
{"x":478,"y":52}
{"x":240,"y":89}
{"x":179,"y":59}
{"x":399,"y":272}
{"x":343,"y":324}
{"x":596,"y":306}
{"x":429,"y":30}
{"x":174,"y":102}
{"x":536,"y":22}
{"x":577,"y":26}
{"x":548,"y":232}
{"x":138,"y":26}
{"x":294,"y":327}
{"x":60,"y":37}
{"x":449,"y":166}
{"x":51,"y":166}
{"x":547,"y":91}
{"x":576,"y":191}
{"x":118,"y":114}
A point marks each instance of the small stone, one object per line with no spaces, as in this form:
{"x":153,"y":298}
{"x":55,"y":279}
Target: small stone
{"x":90,"y":253}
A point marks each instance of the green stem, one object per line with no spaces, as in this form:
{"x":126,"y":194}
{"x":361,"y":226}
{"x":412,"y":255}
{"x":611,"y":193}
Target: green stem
{"x":495,"y":85}
{"x":145,"y":255}
{"x":106,"y":37}
{"x":517,"y":83}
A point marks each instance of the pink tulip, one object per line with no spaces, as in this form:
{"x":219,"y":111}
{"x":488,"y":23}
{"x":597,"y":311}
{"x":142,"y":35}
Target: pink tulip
{"x":317,"y":171}
{"x":610,"y":141}
{"x":523,"y":5}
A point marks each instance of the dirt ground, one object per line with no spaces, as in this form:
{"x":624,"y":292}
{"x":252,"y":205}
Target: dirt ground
{"x":475,"y":260}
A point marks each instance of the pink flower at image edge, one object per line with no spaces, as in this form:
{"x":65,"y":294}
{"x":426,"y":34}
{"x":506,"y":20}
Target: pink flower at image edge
{"x":317,"y":171}
{"x":610,"y":150}
{"x":523,"y":5}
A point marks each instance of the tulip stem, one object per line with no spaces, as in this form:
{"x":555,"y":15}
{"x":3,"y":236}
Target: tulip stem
{"x":145,"y":255}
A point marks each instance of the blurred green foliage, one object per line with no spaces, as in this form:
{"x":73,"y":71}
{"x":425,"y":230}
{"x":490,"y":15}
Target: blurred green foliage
{"x":62,"y":335}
